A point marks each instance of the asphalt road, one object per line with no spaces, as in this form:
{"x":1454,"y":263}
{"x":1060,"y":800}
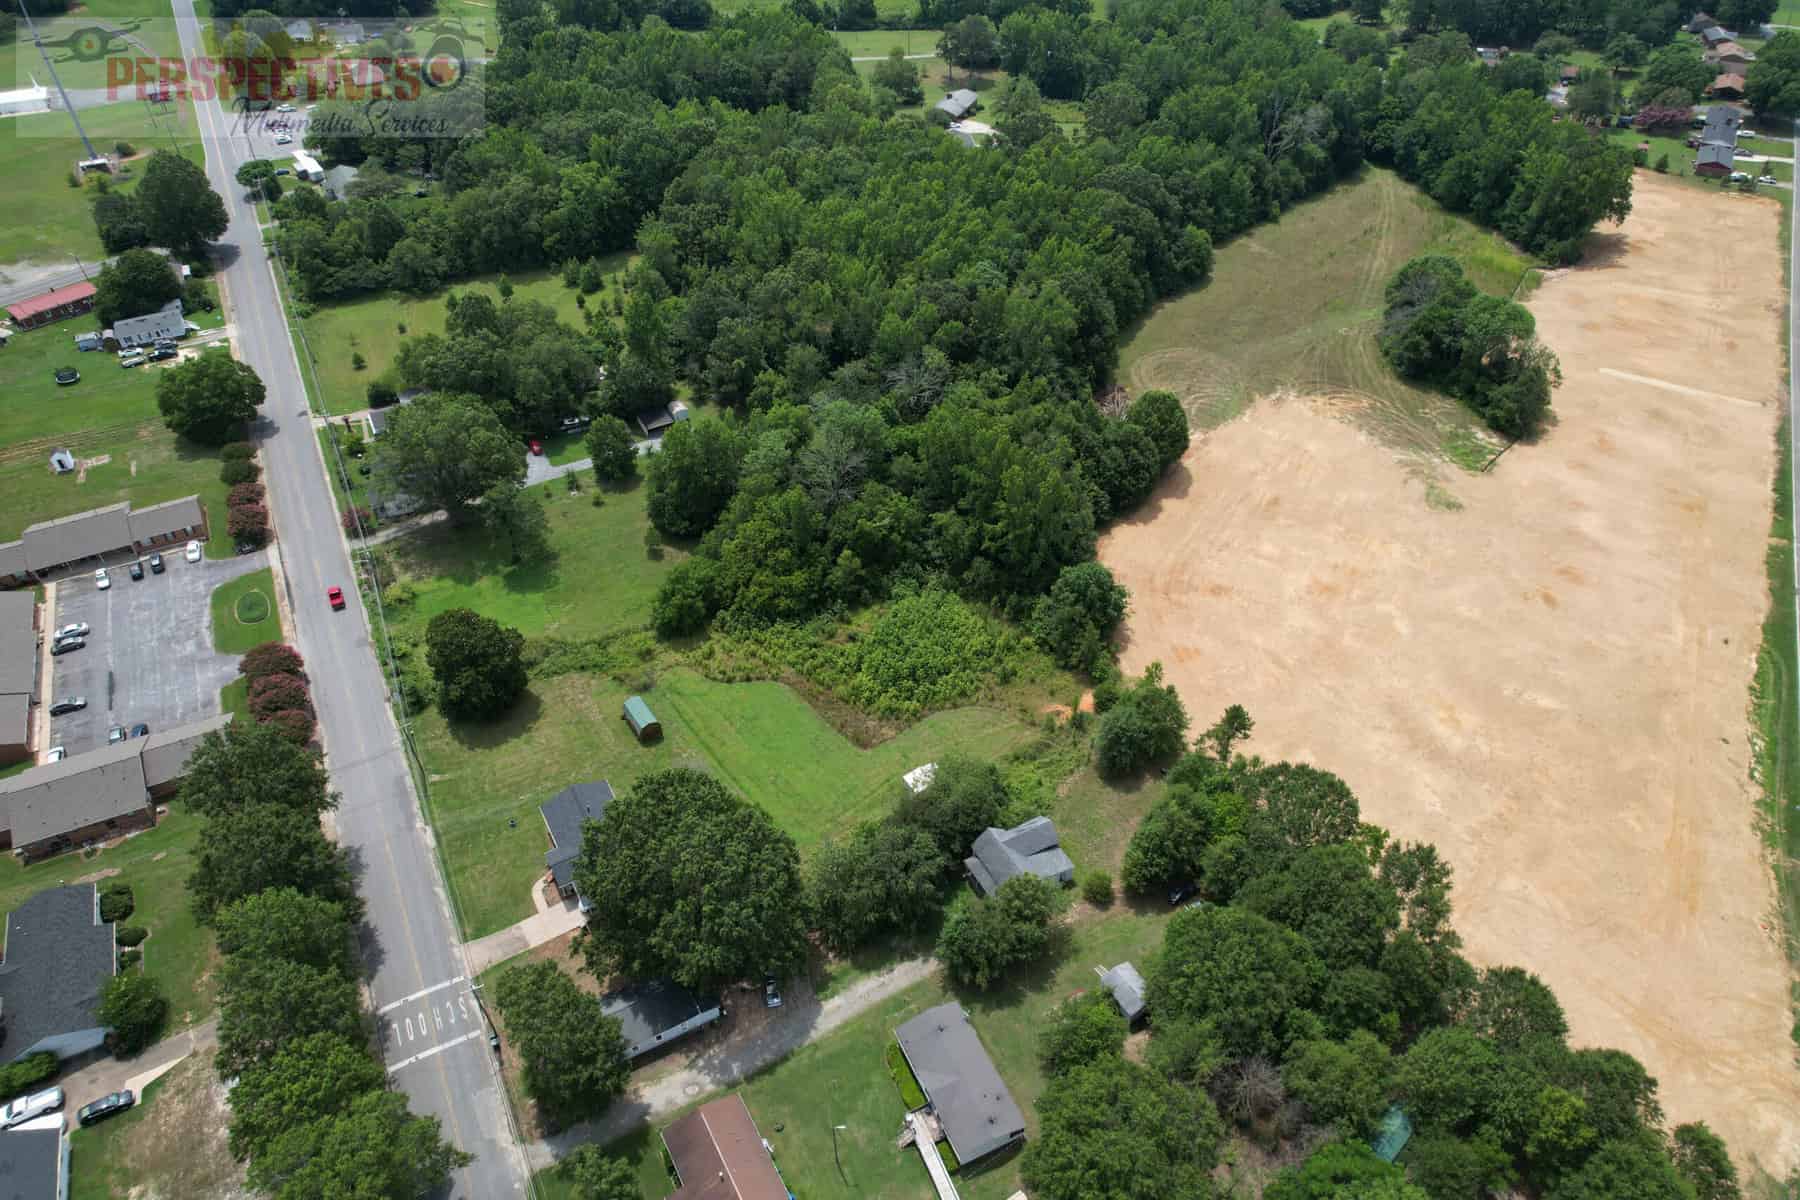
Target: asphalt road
{"x":430,"y":1027}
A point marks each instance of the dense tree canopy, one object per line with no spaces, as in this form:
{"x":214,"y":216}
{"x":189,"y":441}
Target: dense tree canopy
{"x":1112,"y":1130}
{"x":1772,"y":85}
{"x":373,"y":1148}
{"x":309,"y":1077}
{"x":177,"y":205}
{"x":885,"y":875}
{"x":1246,"y":975}
{"x":137,"y":282}
{"x":209,"y":398}
{"x":266,"y":1003}
{"x":287,"y":924}
{"x":983,"y":939}
{"x":247,"y":764}
{"x":445,"y":451}
{"x":691,"y":882}
{"x":574,"y":1059}
{"x":477,"y":663}
{"x":266,"y":845}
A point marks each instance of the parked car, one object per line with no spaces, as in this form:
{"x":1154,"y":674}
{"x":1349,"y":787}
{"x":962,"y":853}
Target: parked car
{"x":284,"y":108}
{"x":192,"y":553}
{"x":137,"y":569}
{"x":115,"y":735}
{"x":140,"y":730}
{"x":771,"y":993}
{"x":334,"y":595}
{"x":74,"y":629}
{"x":67,"y":375}
{"x":35,"y":1105}
{"x":68,"y":704}
{"x":537,"y":447}
{"x":104,"y":1107}
{"x":1767,"y":179}
{"x":57,"y":754}
{"x":282,"y":139}
{"x":1739,"y":177}
{"x":163,"y":352}
{"x":1181,"y":892}
{"x":65,"y":645}
{"x":134,"y":359}
{"x":574,"y":424}
{"x":156,"y":563}
{"x":102,"y":580}
{"x":282,"y":171}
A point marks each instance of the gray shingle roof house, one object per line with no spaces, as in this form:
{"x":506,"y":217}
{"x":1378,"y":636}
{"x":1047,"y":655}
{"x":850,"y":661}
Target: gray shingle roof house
{"x":977,"y":1113}
{"x":34,"y":1160}
{"x":1713,"y":160}
{"x":117,"y":528}
{"x":165,"y":753}
{"x":59,"y":954}
{"x":651,"y":1015}
{"x":1032,"y":848}
{"x":18,"y":674}
{"x":564,"y":815}
{"x":165,"y":322}
{"x":1127,"y":988}
{"x":1712,"y":35}
{"x":957,"y":104}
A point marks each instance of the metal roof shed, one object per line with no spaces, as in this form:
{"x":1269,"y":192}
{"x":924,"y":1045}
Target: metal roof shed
{"x":643,"y":722}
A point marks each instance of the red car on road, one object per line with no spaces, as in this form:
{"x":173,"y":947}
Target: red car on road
{"x":537,"y":447}
{"x":336,"y":596}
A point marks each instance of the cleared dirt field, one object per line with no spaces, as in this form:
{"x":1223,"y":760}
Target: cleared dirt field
{"x":1550,"y":682}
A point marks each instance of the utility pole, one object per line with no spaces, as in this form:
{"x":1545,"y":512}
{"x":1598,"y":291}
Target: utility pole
{"x":834,"y":1151}
{"x":45,"y":55}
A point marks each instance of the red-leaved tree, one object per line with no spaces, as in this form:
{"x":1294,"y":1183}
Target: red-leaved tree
{"x":271,"y":658}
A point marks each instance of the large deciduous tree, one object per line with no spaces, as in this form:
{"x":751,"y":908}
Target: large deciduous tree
{"x":1112,"y":1130}
{"x":1081,"y":1030}
{"x":374,"y":1148}
{"x":1075,"y":622}
{"x":260,"y":845}
{"x":446,"y":451}
{"x":135,"y":283}
{"x":285,"y":923}
{"x":178,"y":206}
{"x":309,"y":1077}
{"x":1147,"y":723}
{"x":885,"y":875}
{"x":134,"y":1011}
{"x":1243,"y":973}
{"x":574,"y":1058}
{"x":982,"y":939}
{"x":1772,"y":85}
{"x":210,"y":398}
{"x":1343,"y":1171}
{"x":613,"y":449}
{"x":964,"y":797}
{"x":246,"y":764}
{"x":691,"y":882}
{"x":1344,"y":1084}
{"x":693,"y":476}
{"x":477,"y":663}
{"x":265,"y":1003}
{"x":597,"y":1175}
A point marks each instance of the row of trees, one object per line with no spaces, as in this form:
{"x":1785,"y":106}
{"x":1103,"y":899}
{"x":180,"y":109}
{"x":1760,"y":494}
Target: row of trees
{"x":1319,"y":981}
{"x":311,"y":1106}
{"x":278,"y":691}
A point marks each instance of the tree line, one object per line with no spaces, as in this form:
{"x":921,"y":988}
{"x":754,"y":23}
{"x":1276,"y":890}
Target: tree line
{"x":1315,"y":982}
{"x":312,"y":1108}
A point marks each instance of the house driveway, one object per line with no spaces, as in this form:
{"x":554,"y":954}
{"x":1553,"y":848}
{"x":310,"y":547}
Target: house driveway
{"x":150,"y":657}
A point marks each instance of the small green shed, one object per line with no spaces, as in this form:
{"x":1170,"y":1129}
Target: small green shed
{"x":643,"y":722}
{"x":1394,"y":1132}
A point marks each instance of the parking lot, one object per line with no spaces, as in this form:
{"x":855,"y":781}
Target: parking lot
{"x":150,"y":656}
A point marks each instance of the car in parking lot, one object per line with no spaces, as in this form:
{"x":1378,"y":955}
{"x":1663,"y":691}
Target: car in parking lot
{"x":162,"y":352}
{"x":64,"y":645}
{"x":115,"y":735}
{"x":156,"y":564}
{"x":68,"y":704}
{"x":137,"y":569}
{"x":140,"y":730}
{"x":102,"y":580}
{"x":57,"y":754}
{"x":334,"y":596}
{"x":104,"y":1107}
{"x":34,"y":1105}
{"x":282,"y":139}
{"x":136,"y":358}
{"x":74,"y":629}
{"x":192,"y":553}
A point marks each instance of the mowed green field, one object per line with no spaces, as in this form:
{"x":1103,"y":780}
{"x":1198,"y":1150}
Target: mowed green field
{"x":599,"y":580}
{"x":47,"y":219}
{"x":156,"y":863}
{"x":370,"y":326}
{"x":760,"y":739}
{"x":1296,"y":306}
{"x":243,"y":613}
{"x":841,"y":1080}
{"x":110,"y":413}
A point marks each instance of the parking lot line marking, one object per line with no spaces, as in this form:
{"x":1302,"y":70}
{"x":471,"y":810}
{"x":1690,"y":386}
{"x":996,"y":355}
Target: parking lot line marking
{"x":436,"y":987}
{"x":437,"y":1049}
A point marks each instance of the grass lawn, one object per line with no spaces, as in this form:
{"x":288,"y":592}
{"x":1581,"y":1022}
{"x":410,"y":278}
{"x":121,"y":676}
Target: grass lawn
{"x":842,"y":1078}
{"x":234,"y":698}
{"x":244,"y":613}
{"x":108,"y":420}
{"x":97,"y":1168}
{"x":1788,"y":13}
{"x":1311,"y":325}
{"x":1773,"y":707}
{"x":37,"y":158}
{"x":135,"y":24}
{"x":864,"y":43}
{"x":600,"y":580}
{"x":370,"y":326}
{"x":156,"y":863}
{"x":760,"y":739}
{"x":359,"y":483}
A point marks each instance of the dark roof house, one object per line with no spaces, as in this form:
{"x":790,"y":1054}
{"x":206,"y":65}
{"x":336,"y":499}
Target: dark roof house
{"x":1032,"y":848}
{"x":34,"y":1160}
{"x":116,"y":528}
{"x":165,"y":322}
{"x":18,"y":673}
{"x":719,"y":1154}
{"x":1714,"y":160}
{"x":651,"y":1015}
{"x":1712,"y":35}
{"x":59,"y":955}
{"x":974,"y":1108}
{"x":564,"y":815}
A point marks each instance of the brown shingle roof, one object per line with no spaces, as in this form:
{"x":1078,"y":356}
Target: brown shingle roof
{"x":719,"y":1155}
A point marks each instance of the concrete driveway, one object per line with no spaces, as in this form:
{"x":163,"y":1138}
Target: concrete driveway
{"x":150,"y":656}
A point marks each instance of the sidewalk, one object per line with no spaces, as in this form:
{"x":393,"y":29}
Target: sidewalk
{"x":545,"y":925}
{"x":801,"y":1021}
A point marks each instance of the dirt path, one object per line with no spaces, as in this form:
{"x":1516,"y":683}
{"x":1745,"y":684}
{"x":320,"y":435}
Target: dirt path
{"x":1550,"y":684}
{"x":803,"y":1020}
